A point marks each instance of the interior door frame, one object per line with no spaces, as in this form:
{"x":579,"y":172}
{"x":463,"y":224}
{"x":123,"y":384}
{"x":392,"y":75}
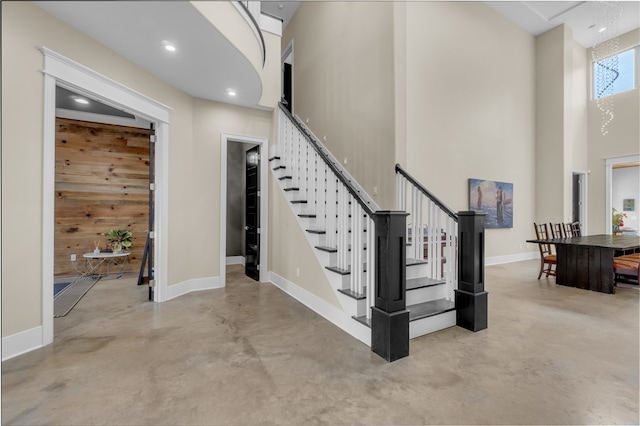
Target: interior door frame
{"x":263,"y":143}
{"x":62,"y":71}
{"x":287,"y":54}
{"x":583,"y":199}
{"x":609,"y":163}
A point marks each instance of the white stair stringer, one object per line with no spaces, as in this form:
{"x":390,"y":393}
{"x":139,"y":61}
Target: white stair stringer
{"x":350,"y":306}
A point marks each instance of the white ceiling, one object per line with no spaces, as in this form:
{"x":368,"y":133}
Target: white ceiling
{"x":537,"y":17}
{"x":205,"y":65}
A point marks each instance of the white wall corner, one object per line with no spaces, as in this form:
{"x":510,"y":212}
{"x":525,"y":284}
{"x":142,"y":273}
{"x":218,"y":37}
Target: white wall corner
{"x":196,"y":284}
{"x":326,"y":310}
{"x":23,"y":342}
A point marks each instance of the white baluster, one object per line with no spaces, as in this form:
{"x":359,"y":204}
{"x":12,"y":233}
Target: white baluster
{"x":371,"y":265}
{"x":331,"y":203}
{"x":321,"y":195}
{"x":343,"y":221}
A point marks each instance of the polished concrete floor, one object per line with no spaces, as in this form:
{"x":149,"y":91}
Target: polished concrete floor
{"x":249,"y":354}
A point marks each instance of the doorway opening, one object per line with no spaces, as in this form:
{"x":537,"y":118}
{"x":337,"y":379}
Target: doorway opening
{"x":244,"y":205}
{"x":62,"y":72}
{"x":287,"y":77}
{"x":611,"y":163}
{"x":579,"y":200}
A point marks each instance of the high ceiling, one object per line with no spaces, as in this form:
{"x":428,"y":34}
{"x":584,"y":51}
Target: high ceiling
{"x":206,"y":66}
{"x":585,"y":18}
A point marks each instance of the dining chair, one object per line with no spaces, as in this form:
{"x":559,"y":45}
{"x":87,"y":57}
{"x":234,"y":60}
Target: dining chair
{"x":576,"y":231}
{"x":557,"y":230}
{"x":547,"y":258}
{"x":568,"y":230}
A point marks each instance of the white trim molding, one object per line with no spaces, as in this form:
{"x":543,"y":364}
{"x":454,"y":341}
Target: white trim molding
{"x":225,"y":139}
{"x":609,"y":163}
{"x":509,"y":258}
{"x":61,"y":71}
{"x":23,"y":342}
{"x":196,"y":284}
{"x":235,"y":260}
{"x":326,"y":310}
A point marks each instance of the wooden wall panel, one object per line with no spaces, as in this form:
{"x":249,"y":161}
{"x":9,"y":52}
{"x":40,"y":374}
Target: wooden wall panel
{"x":102,"y":183}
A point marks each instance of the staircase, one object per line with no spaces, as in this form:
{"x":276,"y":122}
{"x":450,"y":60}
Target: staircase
{"x":337,"y":216}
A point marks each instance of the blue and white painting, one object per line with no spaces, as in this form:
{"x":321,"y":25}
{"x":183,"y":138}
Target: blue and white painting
{"x":493,"y":198}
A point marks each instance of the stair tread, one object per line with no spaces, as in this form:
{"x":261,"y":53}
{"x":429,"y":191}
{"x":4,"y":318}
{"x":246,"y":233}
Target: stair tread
{"x":276,"y":157}
{"x":422,"y":282}
{"x":309,"y":216}
{"x":355,"y":295}
{"x":428,"y":309}
{"x":327,"y":249}
{"x":411,"y":261}
{"x":292,"y":188}
{"x":418,"y":311}
{"x":279,"y":168}
{"x":344,"y":271}
{"x":339,"y":270}
{"x":316,"y":231}
{"x":299,"y":202}
{"x":285,"y":177}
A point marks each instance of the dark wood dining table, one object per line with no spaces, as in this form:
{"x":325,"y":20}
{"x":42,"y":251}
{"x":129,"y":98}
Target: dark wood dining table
{"x":587,"y":262}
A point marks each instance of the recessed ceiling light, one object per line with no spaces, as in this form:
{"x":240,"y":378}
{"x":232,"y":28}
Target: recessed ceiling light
{"x":169,"y":46}
{"x":81,"y":101}
{"x":231,"y":92}
{"x":603,"y":29}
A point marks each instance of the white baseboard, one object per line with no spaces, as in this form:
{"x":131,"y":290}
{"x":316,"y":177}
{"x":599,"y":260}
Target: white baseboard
{"x":497,"y":260}
{"x":20,"y":343}
{"x":235,"y":260}
{"x":196,"y":284}
{"x":323,"y":308}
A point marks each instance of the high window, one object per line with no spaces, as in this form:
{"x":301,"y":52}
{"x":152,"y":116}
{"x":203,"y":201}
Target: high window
{"x":616,"y":73}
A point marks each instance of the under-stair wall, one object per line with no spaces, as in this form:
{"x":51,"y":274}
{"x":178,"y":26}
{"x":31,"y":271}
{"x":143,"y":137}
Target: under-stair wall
{"x":339,"y":221}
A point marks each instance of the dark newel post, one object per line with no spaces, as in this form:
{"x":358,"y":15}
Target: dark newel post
{"x":471,"y":299}
{"x":389,"y":316}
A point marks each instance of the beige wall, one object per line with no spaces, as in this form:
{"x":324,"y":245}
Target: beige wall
{"x":344,"y":84}
{"x":194,"y":156}
{"x":210,"y":119}
{"x":550,"y":156}
{"x":470,"y":106}
{"x":623,"y":138}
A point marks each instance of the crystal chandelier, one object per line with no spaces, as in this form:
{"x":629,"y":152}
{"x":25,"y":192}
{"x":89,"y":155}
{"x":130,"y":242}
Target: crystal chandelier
{"x":603,"y":54}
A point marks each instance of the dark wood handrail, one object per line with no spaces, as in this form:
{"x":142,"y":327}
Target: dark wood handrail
{"x":426,"y":192}
{"x":336,"y":168}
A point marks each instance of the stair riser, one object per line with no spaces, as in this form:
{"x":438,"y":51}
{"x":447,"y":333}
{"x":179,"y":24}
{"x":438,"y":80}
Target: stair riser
{"x":426,"y":294}
{"x":431,"y":324}
{"x":338,"y":282}
{"x":352,"y":305}
{"x":326,"y":258}
{"x":417,"y":271}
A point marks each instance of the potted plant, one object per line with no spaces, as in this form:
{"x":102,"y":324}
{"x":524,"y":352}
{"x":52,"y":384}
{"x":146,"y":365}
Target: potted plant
{"x":617,"y":219}
{"x":119,"y":239}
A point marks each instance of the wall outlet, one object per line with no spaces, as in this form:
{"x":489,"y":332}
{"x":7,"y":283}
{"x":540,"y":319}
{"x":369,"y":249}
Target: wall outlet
{"x":375,"y":190}
{"x":73,"y":257}
{"x":345,"y":160}
{"x":298,"y":272}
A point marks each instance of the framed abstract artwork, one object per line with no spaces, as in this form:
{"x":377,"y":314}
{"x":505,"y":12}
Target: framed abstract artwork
{"x":493,"y":198}
{"x":628,"y":205}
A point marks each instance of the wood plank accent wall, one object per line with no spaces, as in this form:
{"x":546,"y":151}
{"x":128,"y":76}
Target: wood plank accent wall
{"x":102,"y":183}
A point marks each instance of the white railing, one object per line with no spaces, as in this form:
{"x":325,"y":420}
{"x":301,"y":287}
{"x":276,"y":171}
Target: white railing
{"x":342,"y":208}
{"x":432,"y":231}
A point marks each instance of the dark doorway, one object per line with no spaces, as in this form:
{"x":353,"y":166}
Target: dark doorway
{"x":287,"y":86}
{"x":252,"y":214}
